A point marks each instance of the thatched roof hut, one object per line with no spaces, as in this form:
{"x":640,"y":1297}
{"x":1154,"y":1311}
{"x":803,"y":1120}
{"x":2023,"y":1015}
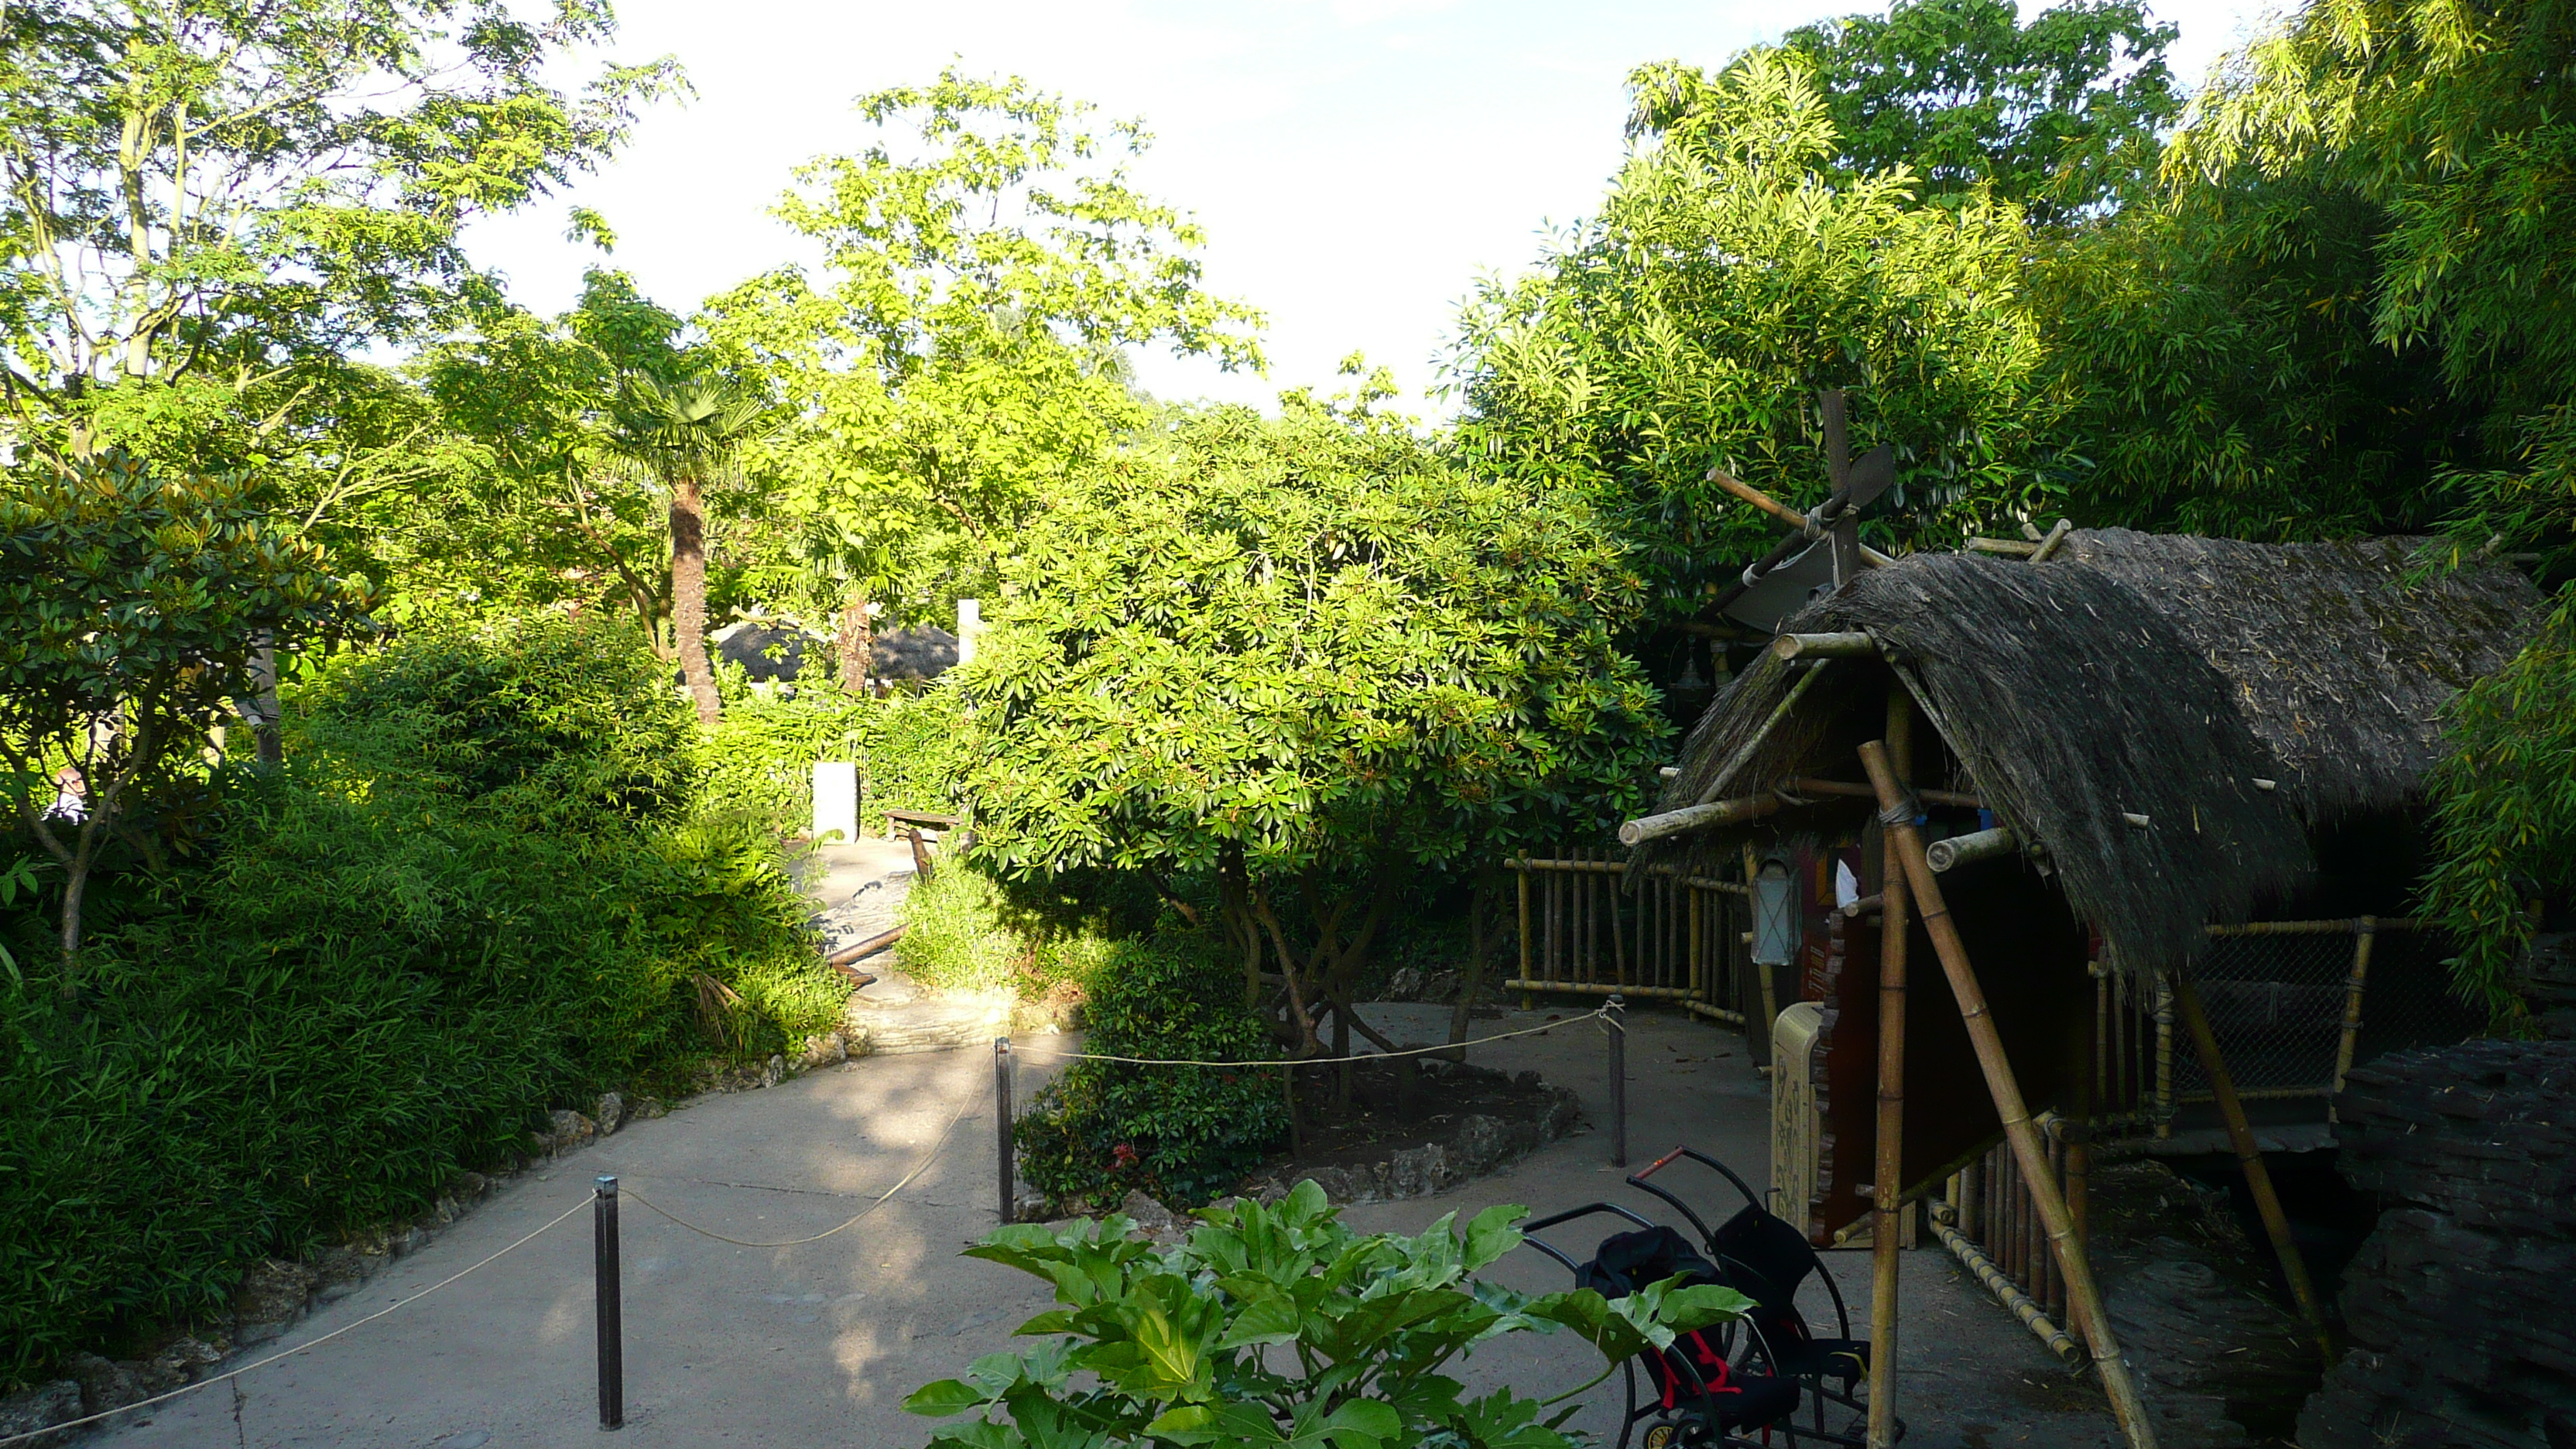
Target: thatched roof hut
{"x":2164,"y":719}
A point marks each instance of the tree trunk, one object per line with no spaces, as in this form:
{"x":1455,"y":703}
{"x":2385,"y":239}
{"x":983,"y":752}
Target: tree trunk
{"x":689,"y":597}
{"x":272,"y":744}
{"x":1480,"y":937}
{"x":854,"y":642}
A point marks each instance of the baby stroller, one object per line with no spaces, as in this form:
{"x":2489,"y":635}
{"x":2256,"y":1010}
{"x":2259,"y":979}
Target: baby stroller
{"x":1693,"y":1393}
{"x":1767,"y":1260}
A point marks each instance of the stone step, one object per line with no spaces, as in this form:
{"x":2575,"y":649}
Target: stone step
{"x":928,"y":1023}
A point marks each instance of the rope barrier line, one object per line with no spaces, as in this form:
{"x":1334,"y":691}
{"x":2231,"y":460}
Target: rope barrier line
{"x":299,"y":1348}
{"x":1041,"y":1053}
{"x":918,"y":1168}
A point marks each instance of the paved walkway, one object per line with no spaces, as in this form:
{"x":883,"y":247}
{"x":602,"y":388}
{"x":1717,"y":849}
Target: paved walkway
{"x":818,"y":1345}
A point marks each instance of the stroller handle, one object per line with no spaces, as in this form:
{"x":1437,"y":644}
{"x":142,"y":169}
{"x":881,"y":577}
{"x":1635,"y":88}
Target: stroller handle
{"x":1638,"y":1180}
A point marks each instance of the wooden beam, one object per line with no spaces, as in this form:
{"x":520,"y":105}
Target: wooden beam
{"x":1696,"y":817}
{"x":2083,"y":1295}
{"x":1854,"y":789}
{"x":2008,"y":547}
{"x":1855,"y":644}
{"x":1782,"y":511}
{"x":2249,"y":1158}
{"x":2048,"y":546}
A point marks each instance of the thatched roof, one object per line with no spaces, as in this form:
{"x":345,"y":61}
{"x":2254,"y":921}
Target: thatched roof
{"x":2143,"y":675}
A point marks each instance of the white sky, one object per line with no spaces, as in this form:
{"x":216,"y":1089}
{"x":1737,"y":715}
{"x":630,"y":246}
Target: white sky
{"x":1356,"y":163}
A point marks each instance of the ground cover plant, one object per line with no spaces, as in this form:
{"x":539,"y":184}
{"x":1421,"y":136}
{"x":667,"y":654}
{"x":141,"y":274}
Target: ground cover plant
{"x":1180,"y":1135}
{"x":483,"y":884}
{"x":1280,"y":1325}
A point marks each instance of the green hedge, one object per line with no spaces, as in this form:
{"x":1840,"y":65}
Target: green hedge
{"x":486,"y":884}
{"x":1188,"y":1134}
{"x":761,"y":755}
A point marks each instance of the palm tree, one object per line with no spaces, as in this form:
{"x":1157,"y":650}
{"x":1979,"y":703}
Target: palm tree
{"x":686,"y":435}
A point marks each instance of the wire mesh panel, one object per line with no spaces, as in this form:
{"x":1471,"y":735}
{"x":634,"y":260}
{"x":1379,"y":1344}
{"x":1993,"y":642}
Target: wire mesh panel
{"x":2276,"y":1002}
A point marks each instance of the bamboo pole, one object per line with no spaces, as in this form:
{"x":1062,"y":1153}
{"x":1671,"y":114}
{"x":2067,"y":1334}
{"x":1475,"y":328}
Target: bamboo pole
{"x":1890,"y":1184}
{"x":2007,"y":1293}
{"x":2082,"y":1294}
{"x":1778,"y":713}
{"x":1854,"y":644}
{"x":1696,"y":817}
{"x":2267,"y":1203}
{"x":2365,"y":931}
{"x":1524,"y":875}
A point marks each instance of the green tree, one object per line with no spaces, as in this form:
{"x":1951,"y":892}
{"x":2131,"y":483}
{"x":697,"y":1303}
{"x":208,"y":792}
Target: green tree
{"x":199,"y":194}
{"x":960,"y":352}
{"x":1730,"y":275}
{"x":2062,"y":116}
{"x":687,"y":434}
{"x":2452,"y":117}
{"x":1306,"y":656}
{"x":130,"y":607}
{"x":540,"y":511}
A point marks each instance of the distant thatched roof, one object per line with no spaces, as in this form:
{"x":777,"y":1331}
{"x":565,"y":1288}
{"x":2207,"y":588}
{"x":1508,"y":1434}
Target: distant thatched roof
{"x":2143,"y":675}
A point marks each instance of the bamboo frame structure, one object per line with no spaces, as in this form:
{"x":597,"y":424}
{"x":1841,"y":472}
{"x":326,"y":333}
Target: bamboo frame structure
{"x":2083,"y":1295}
{"x":1890,"y":1168}
{"x":2365,"y":932}
{"x":2249,"y":1157}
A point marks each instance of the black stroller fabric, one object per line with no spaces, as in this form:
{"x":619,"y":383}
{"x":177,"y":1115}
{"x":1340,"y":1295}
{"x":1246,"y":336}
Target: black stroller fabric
{"x":1627,"y":1262}
{"x":1766,"y":1260}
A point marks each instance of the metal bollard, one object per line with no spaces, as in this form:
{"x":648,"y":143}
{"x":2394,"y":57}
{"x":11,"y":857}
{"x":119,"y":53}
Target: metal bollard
{"x":1617,"y":1020}
{"x":1002,"y":1124}
{"x":612,"y":1336}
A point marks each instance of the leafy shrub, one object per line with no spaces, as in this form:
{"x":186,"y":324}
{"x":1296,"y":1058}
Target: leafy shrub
{"x":1183,"y":1135}
{"x":378,"y":969}
{"x":1174,"y":1345}
{"x":572,"y":714}
{"x":761,"y":755}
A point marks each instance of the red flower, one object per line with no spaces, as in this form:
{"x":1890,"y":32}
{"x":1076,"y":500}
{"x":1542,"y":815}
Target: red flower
{"x":1126,"y":1156}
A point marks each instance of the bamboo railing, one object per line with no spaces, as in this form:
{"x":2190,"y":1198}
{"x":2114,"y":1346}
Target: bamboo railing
{"x":1587,"y":930}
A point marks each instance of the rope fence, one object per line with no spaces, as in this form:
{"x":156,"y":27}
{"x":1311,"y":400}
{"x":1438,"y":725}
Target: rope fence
{"x":1612,"y":1016}
{"x":603,"y":1201}
{"x":227,"y":1377}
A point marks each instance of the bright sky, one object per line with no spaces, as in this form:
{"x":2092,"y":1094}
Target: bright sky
{"x":1356,"y":163}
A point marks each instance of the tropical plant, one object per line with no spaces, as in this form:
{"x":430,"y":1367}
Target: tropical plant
{"x":132,"y":604}
{"x":1731,"y":275}
{"x":960,"y":351}
{"x":1281,"y":1326}
{"x":689,"y":433}
{"x":1306,"y":656}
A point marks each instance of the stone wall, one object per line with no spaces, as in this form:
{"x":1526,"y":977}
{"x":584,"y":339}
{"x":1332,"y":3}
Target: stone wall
{"x":2461,"y":1307}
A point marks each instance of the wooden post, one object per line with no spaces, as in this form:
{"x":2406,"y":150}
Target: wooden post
{"x":1890,"y":1186}
{"x":2082,"y":1295}
{"x":1762,"y":973}
{"x":2240,"y":1134}
{"x":1527,"y":998}
{"x":2365,"y":931}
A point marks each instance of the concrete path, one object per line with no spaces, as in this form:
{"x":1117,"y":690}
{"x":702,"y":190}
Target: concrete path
{"x":818,"y":1345}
